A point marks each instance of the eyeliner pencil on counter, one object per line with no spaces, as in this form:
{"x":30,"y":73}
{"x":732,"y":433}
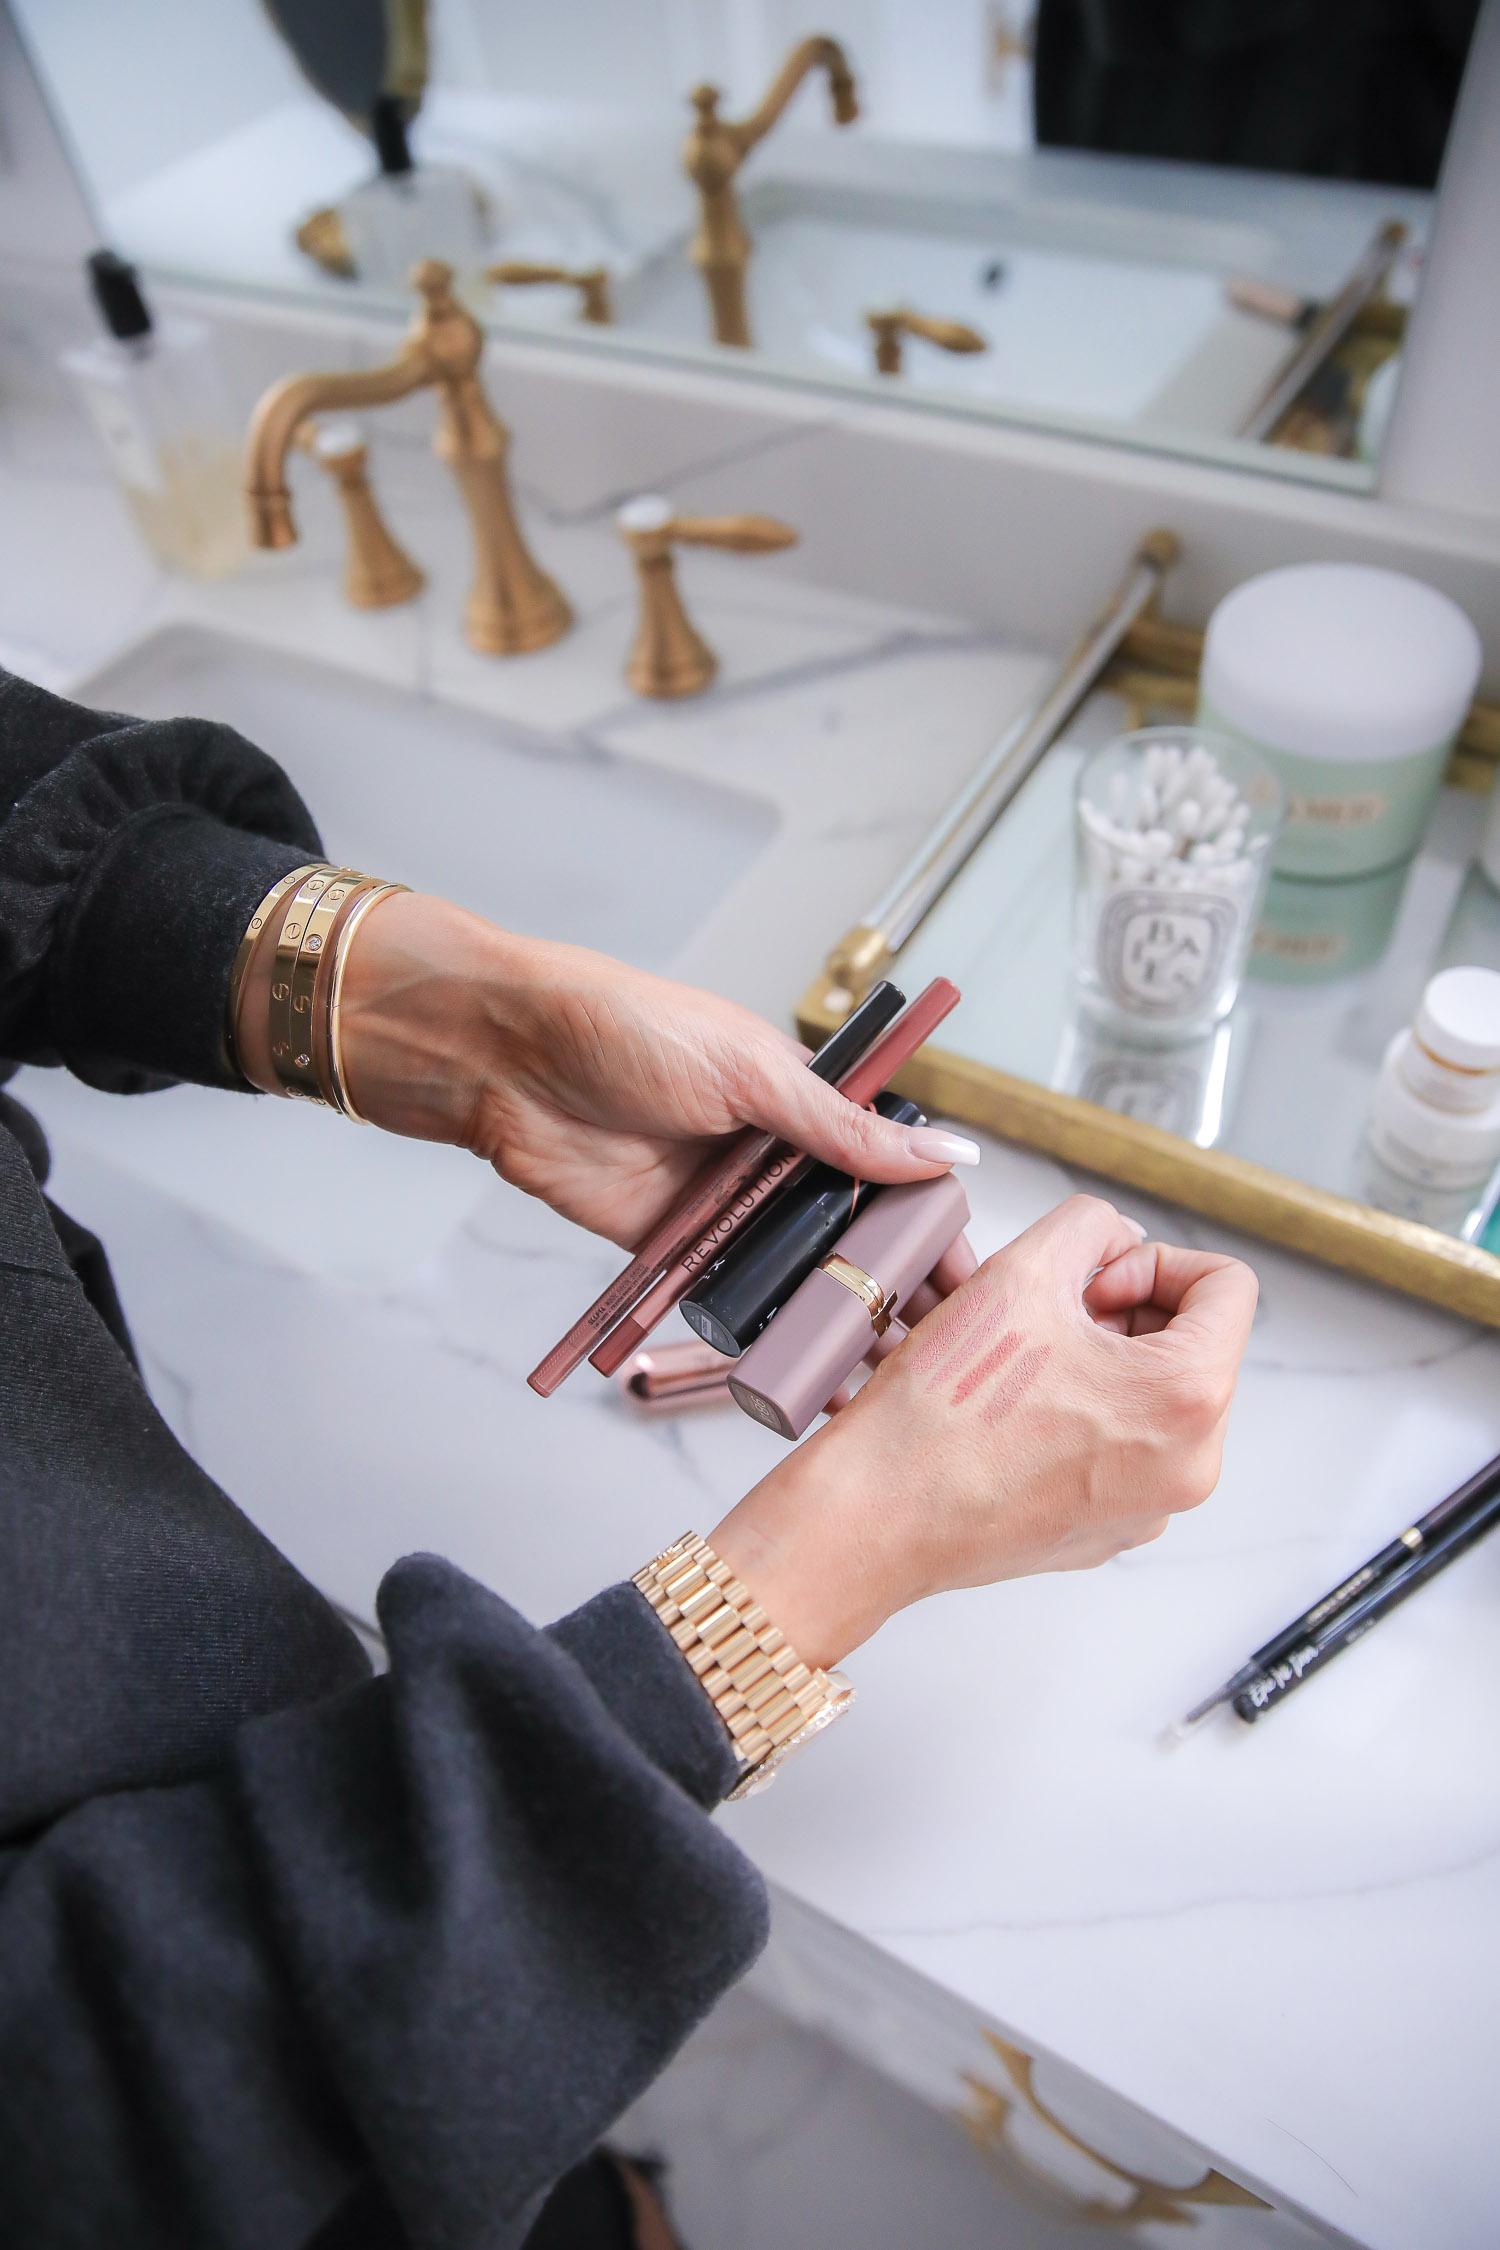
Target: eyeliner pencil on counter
{"x":859,"y":1085}
{"x":1347,"y":1613}
{"x":714,"y":1187}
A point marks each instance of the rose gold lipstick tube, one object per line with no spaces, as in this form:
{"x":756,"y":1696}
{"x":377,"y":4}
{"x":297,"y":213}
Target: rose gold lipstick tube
{"x":670,"y":1377}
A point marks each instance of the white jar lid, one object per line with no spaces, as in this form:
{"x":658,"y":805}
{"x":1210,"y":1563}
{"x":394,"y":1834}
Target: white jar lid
{"x":1459,"y":1019}
{"x":1341,"y":661}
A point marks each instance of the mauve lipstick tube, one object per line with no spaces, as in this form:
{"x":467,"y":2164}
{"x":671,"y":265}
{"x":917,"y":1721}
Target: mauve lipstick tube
{"x":769,"y":1260}
{"x":823,"y":1332}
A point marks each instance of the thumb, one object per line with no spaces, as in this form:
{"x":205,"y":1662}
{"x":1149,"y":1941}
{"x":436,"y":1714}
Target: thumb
{"x":790,"y":1100}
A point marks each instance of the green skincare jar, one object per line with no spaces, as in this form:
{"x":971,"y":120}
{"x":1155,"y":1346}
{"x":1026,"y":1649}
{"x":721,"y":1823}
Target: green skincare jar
{"x":1352,"y":683}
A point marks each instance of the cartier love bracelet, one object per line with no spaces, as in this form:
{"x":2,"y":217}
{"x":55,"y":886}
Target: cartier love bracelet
{"x":770,"y":1701}
{"x":311,"y":916}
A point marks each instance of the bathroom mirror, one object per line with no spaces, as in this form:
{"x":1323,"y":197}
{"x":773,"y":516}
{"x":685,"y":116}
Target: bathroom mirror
{"x":880,"y":220}
{"x":1261,"y":1123}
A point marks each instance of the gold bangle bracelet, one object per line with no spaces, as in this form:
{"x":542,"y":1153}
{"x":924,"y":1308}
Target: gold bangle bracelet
{"x":770,"y":1701}
{"x":291,"y":1036}
{"x":338,"y":1085}
{"x":241,"y":963}
{"x":314,"y":945}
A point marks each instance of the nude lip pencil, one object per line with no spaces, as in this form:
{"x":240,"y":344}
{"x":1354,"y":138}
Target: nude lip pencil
{"x":706,"y":1198}
{"x":785,"y":1166}
{"x":1347,"y":1613}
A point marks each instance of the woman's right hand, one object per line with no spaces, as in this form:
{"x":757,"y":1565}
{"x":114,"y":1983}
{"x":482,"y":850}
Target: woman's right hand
{"x":1057,"y":1408}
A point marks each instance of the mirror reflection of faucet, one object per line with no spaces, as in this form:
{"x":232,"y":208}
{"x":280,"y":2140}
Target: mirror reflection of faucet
{"x":513,"y":606}
{"x":712,"y":156}
{"x":889,"y":329}
{"x":591,"y":282}
{"x":670,"y":657}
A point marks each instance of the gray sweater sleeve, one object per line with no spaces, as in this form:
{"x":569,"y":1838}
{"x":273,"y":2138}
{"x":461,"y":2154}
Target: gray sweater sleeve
{"x":132,"y":854}
{"x":273,"y":1932}
{"x":430,"y":1934}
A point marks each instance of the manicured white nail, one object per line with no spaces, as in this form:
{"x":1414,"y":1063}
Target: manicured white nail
{"x":934,"y":1146}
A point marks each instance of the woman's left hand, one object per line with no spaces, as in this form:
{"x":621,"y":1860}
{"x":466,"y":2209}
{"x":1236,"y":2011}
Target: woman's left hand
{"x":592,"y":1085}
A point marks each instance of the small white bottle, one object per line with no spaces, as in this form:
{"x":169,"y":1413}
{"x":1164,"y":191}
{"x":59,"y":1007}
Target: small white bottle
{"x":1436,"y":1114}
{"x":407,"y":213}
{"x":156,"y":396}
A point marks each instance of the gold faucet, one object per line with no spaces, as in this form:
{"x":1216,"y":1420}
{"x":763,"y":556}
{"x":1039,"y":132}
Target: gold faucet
{"x":378,"y":572}
{"x":713,"y":154}
{"x":888,"y":328}
{"x":591,"y":282}
{"x":513,"y":605}
{"x":670,"y":656}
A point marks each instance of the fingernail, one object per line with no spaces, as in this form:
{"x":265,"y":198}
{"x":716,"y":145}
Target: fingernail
{"x":934,"y":1146}
{"x":1140,"y":1231}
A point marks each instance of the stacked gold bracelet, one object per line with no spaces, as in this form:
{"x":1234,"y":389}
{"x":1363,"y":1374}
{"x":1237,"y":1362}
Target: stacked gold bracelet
{"x":309,"y":918}
{"x":770,"y":1701}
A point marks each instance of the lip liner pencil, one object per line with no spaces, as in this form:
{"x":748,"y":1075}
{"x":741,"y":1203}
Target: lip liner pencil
{"x":859,"y":1085}
{"x":703,"y":1200}
{"x":1348,"y":1612}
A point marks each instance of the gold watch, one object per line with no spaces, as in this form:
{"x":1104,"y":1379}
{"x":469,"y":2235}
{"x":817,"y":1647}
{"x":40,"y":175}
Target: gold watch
{"x":770,"y":1701}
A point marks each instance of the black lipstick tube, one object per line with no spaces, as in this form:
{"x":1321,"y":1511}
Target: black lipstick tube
{"x":770,"y":1261}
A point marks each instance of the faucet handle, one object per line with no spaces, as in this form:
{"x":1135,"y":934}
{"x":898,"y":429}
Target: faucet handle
{"x":378,"y":572}
{"x":888,"y":329}
{"x":591,"y":282}
{"x":670,"y":657}
{"x":743,"y":535}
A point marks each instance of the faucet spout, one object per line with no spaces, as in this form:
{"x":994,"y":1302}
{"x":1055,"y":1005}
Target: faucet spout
{"x":713,"y":154}
{"x":281,"y":412}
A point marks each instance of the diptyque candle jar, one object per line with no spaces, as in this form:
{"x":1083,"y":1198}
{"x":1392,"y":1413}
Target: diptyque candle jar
{"x":1174,"y":831}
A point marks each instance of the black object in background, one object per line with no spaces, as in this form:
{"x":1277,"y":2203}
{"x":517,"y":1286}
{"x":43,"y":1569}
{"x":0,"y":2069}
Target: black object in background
{"x":117,"y":293}
{"x":769,"y":1262}
{"x":388,"y":128}
{"x":1344,"y":1615}
{"x":351,"y":52}
{"x":1339,"y":89}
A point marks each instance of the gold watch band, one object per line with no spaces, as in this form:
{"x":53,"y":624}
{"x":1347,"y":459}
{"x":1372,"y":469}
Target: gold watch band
{"x":770,"y":1701}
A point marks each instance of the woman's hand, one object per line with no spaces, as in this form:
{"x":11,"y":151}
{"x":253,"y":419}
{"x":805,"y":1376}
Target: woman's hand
{"x":1057,"y":1408}
{"x":586,"y":1083}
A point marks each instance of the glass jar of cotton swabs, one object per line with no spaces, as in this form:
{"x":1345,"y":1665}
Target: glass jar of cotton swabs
{"x":1174,"y":831}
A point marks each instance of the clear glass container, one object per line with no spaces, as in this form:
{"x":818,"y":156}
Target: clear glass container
{"x":1174,"y":828}
{"x":159,"y":404}
{"x":398,"y":218}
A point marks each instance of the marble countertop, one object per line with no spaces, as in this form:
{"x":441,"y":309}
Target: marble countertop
{"x":1281,"y":1942}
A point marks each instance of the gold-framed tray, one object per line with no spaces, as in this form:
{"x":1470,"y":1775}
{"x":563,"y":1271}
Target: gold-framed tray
{"x":1274,"y":1152}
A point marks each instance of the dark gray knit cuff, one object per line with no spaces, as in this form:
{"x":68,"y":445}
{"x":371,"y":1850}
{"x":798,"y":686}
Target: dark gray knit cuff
{"x":646,"y":1685}
{"x":141,"y":975}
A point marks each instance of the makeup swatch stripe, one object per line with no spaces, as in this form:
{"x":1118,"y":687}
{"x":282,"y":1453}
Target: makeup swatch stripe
{"x":983,"y":1369}
{"x":1020,"y":1379}
{"x":938,"y":1348}
{"x":981,"y":1336}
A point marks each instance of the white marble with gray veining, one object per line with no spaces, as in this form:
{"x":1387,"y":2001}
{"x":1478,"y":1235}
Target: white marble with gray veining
{"x":1278,"y":1944}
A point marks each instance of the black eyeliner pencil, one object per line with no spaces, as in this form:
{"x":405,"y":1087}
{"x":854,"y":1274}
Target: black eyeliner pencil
{"x":1360,"y":1601}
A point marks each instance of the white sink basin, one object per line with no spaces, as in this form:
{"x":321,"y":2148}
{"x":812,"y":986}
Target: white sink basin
{"x":600,"y":850}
